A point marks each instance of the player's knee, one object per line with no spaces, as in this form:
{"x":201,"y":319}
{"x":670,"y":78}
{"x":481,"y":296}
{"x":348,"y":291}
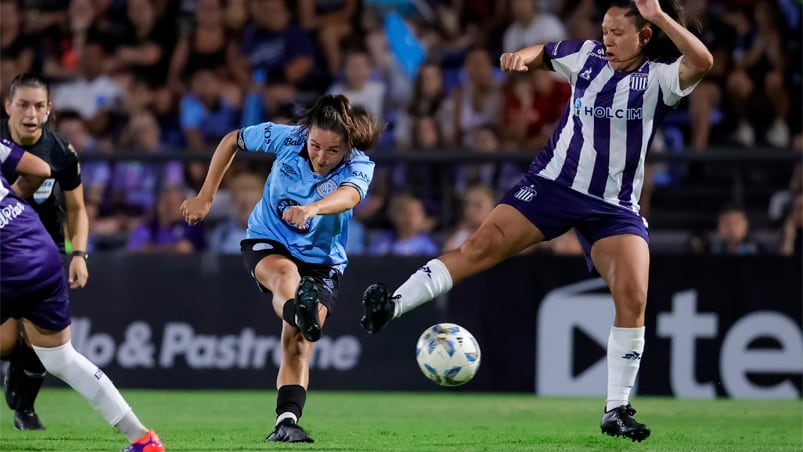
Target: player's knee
{"x":481,"y":249}
{"x":57,"y":359}
{"x":631,"y":295}
{"x":8,"y":337}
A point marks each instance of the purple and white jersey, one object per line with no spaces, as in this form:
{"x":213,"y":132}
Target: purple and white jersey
{"x":29,"y":258}
{"x":599,"y":145}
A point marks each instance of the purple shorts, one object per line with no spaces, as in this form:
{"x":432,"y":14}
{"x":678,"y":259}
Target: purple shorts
{"x":47,"y":307}
{"x":554,"y":209}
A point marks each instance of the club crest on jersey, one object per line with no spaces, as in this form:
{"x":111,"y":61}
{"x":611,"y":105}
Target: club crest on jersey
{"x":638,"y":81}
{"x":326,"y":188}
{"x":526,"y":193}
{"x":44,"y":191}
{"x":285,"y":204}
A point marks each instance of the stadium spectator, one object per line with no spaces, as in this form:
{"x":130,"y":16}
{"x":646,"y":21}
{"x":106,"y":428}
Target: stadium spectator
{"x":780,"y":203}
{"x":358,"y":84}
{"x":134,"y":185}
{"x":63,"y":34}
{"x":500,"y":174}
{"x":707,"y":97}
{"x":146,"y":44}
{"x":399,"y":84}
{"x":532,"y":105}
{"x":427,"y":99}
{"x":208,"y":45}
{"x":245,"y":192}
{"x":595,"y":192}
{"x":531,"y":24}
{"x":95,"y":176}
{"x":792,"y":232}
{"x":733,"y":233}
{"x":410,"y":235}
{"x":165,"y":231}
{"x":8,"y":69}
{"x":420,"y":178}
{"x":236,"y":15}
{"x":272,"y":44}
{"x":758,"y":78}
{"x":331,"y":22}
{"x":580,"y":18}
{"x":14,"y":42}
{"x":35,"y":299}
{"x":476,"y":102}
{"x":59,"y":201}
{"x":477,"y":205}
{"x":297,"y":234}
{"x":206,"y":115}
{"x":93,"y":93}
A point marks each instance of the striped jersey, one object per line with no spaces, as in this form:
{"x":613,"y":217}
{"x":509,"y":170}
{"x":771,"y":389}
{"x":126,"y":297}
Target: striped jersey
{"x":292,"y":182}
{"x":600,"y":143}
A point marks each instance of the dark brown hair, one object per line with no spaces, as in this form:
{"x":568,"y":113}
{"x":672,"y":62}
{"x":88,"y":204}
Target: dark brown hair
{"x":27,"y":80}
{"x":659,"y":47}
{"x":334,"y":113}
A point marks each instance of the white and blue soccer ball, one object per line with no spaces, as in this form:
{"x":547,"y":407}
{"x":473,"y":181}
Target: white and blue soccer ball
{"x":448,"y":354}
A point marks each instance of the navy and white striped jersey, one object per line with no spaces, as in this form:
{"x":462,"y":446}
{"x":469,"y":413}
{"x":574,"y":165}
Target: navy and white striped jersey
{"x":599,"y":145}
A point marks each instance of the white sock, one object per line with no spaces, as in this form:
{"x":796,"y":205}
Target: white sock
{"x":131,"y":427}
{"x":625,"y":347}
{"x":86,"y":378}
{"x":286,"y":415}
{"x":428,"y":282}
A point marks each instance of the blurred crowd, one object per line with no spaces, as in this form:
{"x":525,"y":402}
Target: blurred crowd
{"x":172,"y":77}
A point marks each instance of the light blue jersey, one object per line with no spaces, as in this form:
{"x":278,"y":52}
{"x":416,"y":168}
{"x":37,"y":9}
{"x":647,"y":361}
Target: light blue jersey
{"x":292,"y":182}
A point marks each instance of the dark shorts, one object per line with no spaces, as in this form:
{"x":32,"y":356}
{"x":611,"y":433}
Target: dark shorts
{"x":47,"y":307}
{"x":327,"y":279}
{"x":554,"y":209}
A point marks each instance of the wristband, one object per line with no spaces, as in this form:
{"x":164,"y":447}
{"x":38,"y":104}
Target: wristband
{"x":82,"y":254}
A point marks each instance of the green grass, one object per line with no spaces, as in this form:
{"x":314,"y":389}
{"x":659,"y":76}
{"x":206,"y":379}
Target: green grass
{"x":437,"y":421}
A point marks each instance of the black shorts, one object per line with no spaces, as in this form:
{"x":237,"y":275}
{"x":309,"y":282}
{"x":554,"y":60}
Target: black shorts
{"x":327,"y":279}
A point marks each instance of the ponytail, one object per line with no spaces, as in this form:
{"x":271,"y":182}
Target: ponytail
{"x":334,"y":113}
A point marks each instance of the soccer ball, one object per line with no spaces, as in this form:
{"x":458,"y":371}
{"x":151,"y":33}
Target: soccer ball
{"x":448,"y":354}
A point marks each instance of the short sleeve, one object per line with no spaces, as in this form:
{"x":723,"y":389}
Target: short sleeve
{"x":70,"y":178}
{"x":359,"y":174}
{"x":10,"y":156}
{"x":669,"y":80}
{"x":268,"y":137}
{"x":567,"y":57}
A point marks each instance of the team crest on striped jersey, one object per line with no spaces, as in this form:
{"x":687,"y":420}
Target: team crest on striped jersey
{"x":638,"y":81}
{"x":526,"y":193}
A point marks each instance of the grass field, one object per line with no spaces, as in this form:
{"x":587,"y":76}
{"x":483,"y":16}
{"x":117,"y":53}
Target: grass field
{"x":442,"y":421}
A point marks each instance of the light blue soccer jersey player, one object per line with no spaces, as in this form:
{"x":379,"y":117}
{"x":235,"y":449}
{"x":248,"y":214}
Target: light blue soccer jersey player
{"x":293,"y":182}
{"x":295,"y":246}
